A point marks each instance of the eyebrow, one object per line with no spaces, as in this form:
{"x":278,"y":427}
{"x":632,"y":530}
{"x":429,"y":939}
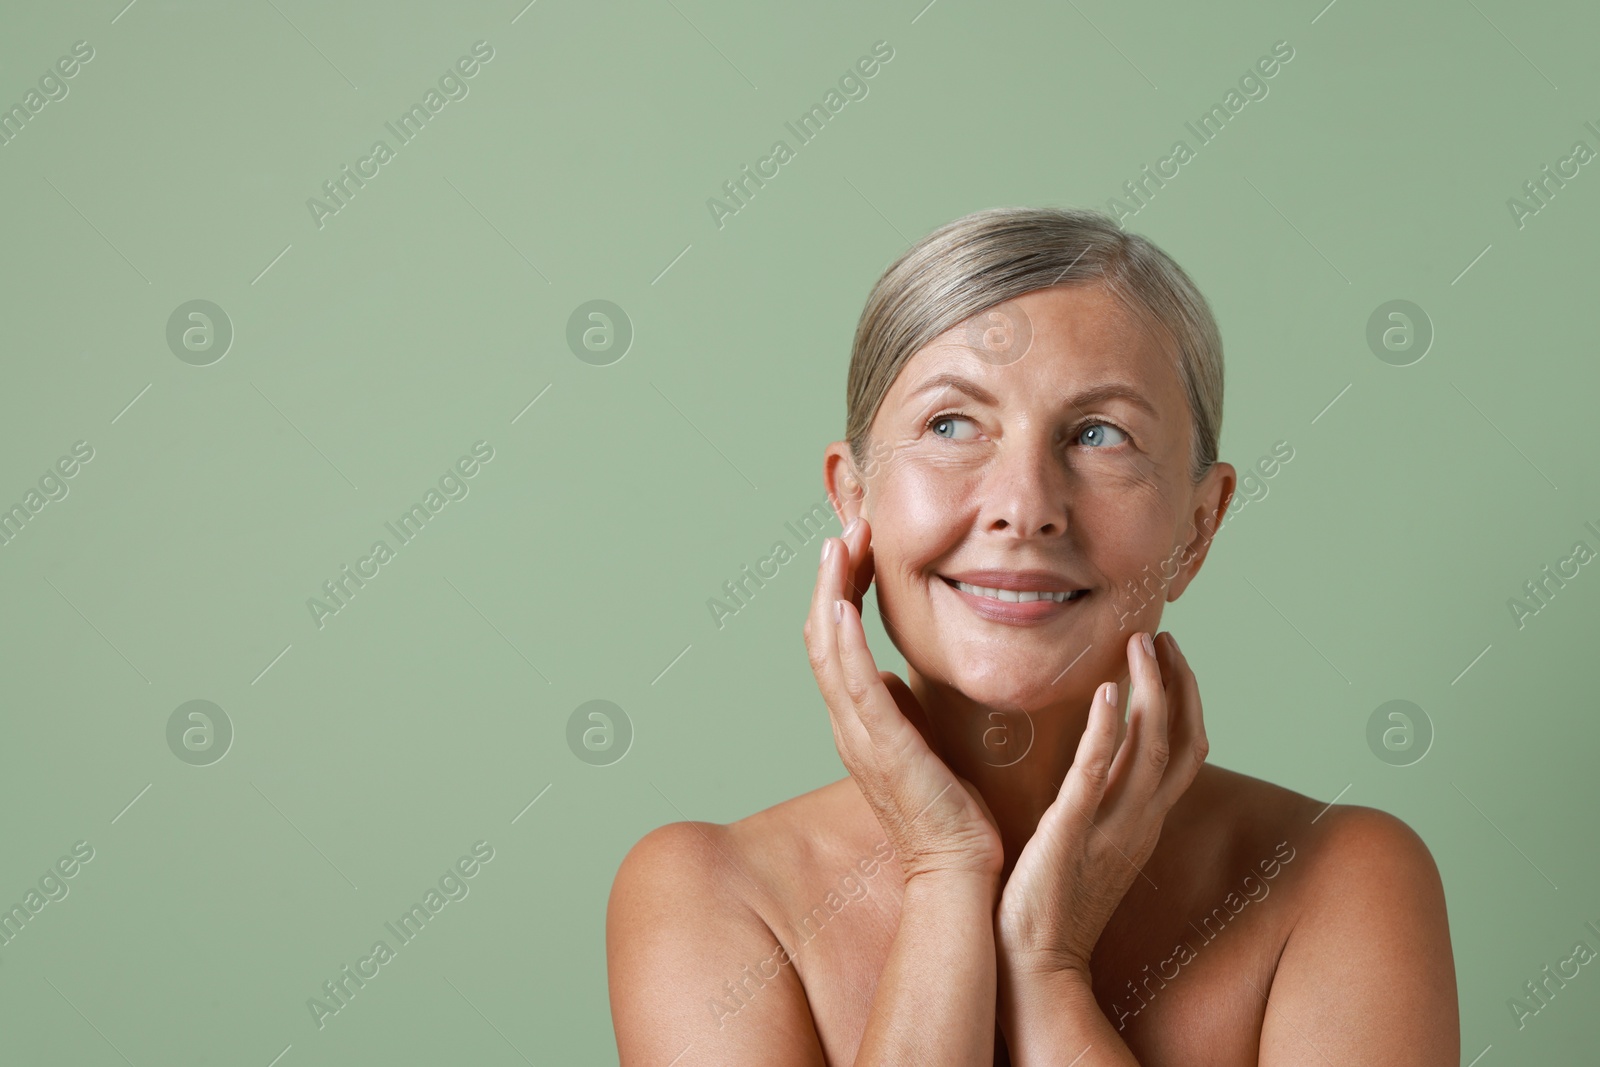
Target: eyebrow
{"x":1093,"y":395}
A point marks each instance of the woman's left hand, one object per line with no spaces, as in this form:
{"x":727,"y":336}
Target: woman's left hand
{"x":1095,"y":837}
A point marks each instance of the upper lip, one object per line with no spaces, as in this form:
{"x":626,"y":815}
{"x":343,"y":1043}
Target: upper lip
{"x":1034,"y":581}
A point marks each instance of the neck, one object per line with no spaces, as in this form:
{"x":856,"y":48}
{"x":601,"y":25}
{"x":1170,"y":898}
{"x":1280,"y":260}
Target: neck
{"x":1017,"y":759}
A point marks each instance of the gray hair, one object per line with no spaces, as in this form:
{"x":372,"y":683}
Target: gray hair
{"x":991,"y":256}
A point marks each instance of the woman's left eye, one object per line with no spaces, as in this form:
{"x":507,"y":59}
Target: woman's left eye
{"x":1101,"y":428}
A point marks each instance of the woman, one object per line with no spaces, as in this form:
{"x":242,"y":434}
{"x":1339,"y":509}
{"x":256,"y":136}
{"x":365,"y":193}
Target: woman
{"x":1012,"y":873}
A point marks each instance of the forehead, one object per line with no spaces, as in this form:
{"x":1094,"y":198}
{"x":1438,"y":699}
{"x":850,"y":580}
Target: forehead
{"x":1072,"y":337}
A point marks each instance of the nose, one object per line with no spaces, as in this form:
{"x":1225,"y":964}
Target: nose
{"x":1025,"y":492}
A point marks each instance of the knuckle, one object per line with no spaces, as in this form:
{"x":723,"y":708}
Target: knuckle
{"x":1158,"y":752}
{"x":857,"y":689}
{"x":1095,"y":772}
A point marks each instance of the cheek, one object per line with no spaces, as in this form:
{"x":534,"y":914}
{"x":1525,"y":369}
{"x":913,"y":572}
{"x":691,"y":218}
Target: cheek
{"x":1126,"y":529}
{"x":1129,"y":535}
{"x":1123,"y":486}
{"x":922,"y":515}
{"x":920,"y":501}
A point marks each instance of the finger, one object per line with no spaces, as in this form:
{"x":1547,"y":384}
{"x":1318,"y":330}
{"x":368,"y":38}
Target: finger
{"x":1087,"y":778}
{"x":860,"y":569}
{"x":819,"y":624}
{"x":890,"y":745}
{"x":822,"y":649}
{"x":1141,"y":764}
{"x":874,"y":705}
{"x":1189,"y":744}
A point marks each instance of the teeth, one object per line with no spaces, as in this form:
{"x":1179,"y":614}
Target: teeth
{"x":1012,"y":595}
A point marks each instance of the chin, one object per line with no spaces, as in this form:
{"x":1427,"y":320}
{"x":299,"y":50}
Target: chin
{"x":1010,"y":684}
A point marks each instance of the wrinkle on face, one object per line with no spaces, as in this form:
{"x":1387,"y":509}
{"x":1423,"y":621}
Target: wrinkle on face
{"x":1009,"y":486}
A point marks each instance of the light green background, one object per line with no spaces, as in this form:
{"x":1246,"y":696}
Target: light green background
{"x":429,"y":312}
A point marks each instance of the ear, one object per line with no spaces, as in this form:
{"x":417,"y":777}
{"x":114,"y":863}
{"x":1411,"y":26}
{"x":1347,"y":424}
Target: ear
{"x":1210,"y":508}
{"x":846,"y":488}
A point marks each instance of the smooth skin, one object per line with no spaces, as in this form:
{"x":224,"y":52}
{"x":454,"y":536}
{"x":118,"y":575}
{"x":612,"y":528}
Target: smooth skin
{"x":955,"y":901}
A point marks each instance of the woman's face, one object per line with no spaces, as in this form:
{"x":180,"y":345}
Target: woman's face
{"x":1049,"y":435}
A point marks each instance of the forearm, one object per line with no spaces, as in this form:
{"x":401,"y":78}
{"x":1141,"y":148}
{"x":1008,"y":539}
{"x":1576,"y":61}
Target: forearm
{"x":935,"y":1000}
{"x":1054,"y":1019}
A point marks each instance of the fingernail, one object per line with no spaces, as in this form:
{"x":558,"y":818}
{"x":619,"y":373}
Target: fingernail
{"x":827,"y":549}
{"x":1149,"y":643}
{"x":1111,"y":693}
{"x":851,"y":528}
{"x":838,"y":611}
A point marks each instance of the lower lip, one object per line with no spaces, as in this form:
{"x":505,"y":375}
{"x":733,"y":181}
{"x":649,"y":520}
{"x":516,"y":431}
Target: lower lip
{"x":1014,"y":611}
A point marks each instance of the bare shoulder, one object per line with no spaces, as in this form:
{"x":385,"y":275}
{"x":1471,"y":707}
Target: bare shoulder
{"x":783,"y":848}
{"x":1342,"y":843}
{"x":678,"y":859}
{"x":1365,"y":926}
{"x":1228,"y":821}
{"x":685,"y":928}
{"x":747,"y":860}
{"x":1365,"y":845}
{"x":1235,"y":795}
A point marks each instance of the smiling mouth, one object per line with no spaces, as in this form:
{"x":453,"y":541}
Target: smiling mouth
{"x":1016,"y":596}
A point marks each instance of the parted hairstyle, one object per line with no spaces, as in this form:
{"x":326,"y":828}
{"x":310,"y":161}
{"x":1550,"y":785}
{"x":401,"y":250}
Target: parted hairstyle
{"x":988,"y":257}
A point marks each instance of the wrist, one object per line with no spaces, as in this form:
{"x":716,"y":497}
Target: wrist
{"x":1056,"y":974}
{"x":1022,"y":992}
{"x":1026,"y":949}
{"x":1027,"y":976}
{"x":975,"y":886}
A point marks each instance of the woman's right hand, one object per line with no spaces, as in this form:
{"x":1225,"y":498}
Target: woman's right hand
{"x":935,"y":821}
